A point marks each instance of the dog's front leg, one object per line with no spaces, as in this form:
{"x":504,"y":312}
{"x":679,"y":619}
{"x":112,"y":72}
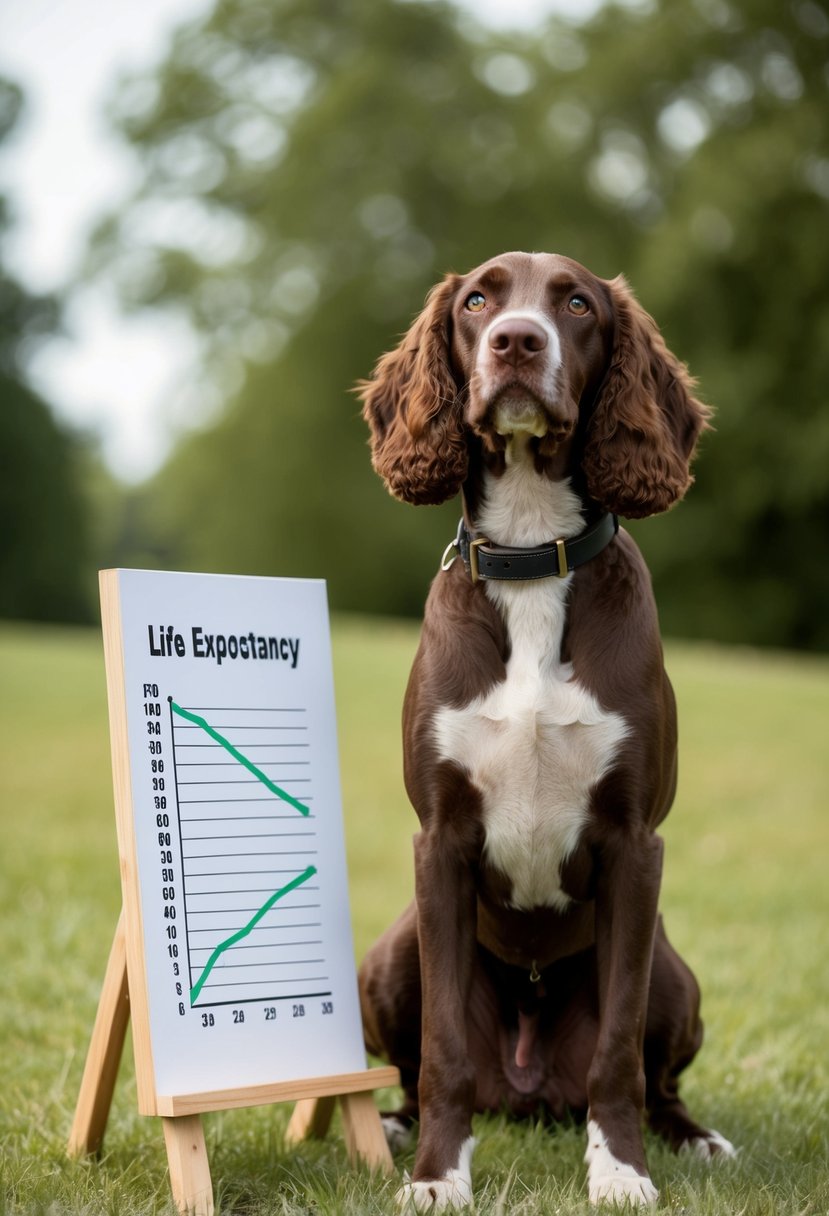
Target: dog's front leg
{"x":446,"y":911}
{"x":627,"y":896}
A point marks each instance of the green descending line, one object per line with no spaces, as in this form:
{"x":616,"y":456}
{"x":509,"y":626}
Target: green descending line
{"x":237,"y":755}
{"x":252,"y":923}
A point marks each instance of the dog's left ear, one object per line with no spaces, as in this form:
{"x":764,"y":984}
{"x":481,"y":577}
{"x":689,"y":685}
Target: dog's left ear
{"x":646,"y":422}
{"x":411,"y":405}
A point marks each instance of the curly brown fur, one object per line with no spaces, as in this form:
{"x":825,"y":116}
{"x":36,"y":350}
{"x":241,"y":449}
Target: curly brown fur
{"x":418,"y":445}
{"x":646,"y":422}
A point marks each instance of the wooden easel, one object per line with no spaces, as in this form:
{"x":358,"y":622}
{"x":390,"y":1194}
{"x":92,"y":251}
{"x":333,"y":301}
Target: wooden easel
{"x":192,"y":1188}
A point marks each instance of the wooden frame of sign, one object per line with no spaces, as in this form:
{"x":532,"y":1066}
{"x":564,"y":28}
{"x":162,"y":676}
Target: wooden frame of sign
{"x":125,"y":996}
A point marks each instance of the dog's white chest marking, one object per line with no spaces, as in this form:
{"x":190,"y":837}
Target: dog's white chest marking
{"x":538,"y":743}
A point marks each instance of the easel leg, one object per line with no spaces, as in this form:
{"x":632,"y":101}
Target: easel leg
{"x":104,"y":1055}
{"x":311,"y":1118}
{"x":189,"y":1167}
{"x":365,"y":1139}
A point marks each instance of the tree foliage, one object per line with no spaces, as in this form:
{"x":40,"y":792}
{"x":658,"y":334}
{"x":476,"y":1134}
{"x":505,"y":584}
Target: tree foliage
{"x":312,"y":168}
{"x":43,"y":543}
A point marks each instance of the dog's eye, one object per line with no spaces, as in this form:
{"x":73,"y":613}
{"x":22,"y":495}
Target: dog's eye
{"x":578,"y":306}
{"x":475,"y":303}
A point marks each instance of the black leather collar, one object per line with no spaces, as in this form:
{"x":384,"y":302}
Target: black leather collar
{"x":555,"y":559}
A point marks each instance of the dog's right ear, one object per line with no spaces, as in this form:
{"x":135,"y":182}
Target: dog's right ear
{"x":411,"y":406}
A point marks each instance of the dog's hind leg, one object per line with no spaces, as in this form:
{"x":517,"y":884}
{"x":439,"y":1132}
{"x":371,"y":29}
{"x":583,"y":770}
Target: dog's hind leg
{"x":390,"y":1002}
{"x":673,"y":1037}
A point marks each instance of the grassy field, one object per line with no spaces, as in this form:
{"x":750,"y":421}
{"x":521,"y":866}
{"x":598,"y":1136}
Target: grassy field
{"x":746,"y":901}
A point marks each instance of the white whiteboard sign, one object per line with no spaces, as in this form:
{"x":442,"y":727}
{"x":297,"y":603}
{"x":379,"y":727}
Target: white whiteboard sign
{"x":238,"y":832}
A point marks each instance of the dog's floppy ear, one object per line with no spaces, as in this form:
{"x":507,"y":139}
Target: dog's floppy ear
{"x":410,"y":403}
{"x":646,"y":422}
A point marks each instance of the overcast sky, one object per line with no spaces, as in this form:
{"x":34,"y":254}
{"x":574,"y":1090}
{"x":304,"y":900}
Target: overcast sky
{"x":61,"y":169}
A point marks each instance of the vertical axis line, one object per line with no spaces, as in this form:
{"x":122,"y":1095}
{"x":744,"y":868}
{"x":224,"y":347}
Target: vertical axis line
{"x":180,"y":844}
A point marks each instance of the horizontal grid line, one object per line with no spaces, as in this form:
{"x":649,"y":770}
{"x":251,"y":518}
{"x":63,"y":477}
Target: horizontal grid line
{"x":260,"y":983}
{"x":234,"y":873}
{"x":260,"y":1000}
{"x":288,"y":962}
{"x":269,"y":853}
{"x":218,"y":801}
{"x":239,"y":818}
{"x":247,"y":709}
{"x":242,"y":726}
{"x":249,"y":836}
{"x":265,"y":946}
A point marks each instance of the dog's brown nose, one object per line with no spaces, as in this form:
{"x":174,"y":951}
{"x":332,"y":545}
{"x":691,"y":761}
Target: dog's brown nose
{"x":516,"y":340}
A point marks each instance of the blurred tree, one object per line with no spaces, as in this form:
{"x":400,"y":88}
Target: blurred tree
{"x":311,"y":168}
{"x":43,"y":544}
{"x":733,"y":196}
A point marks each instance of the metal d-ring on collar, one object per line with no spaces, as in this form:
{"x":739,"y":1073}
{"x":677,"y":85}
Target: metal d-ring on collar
{"x":555,"y":559}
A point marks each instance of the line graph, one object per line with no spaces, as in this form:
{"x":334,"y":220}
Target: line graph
{"x":243,"y":835}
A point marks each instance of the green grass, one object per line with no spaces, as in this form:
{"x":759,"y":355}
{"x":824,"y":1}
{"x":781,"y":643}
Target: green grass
{"x":746,"y":901}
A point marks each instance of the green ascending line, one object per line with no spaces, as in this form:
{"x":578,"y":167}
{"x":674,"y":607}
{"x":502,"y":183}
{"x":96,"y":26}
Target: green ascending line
{"x":237,"y":755}
{"x":252,"y":923}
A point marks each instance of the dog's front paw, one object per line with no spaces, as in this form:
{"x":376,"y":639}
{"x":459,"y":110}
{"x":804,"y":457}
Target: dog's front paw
{"x":624,"y":1187}
{"x":447,"y":1194}
{"x":441,"y":1195}
{"x":610,"y":1180}
{"x":710,"y":1147}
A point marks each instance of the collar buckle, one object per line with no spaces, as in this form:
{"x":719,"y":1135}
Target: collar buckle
{"x":474,"y":546}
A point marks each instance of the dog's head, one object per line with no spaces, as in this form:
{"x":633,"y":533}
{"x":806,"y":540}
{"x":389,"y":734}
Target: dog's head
{"x":535,"y":343}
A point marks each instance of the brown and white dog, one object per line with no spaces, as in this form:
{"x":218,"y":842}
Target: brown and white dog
{"x":532,"y":972}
